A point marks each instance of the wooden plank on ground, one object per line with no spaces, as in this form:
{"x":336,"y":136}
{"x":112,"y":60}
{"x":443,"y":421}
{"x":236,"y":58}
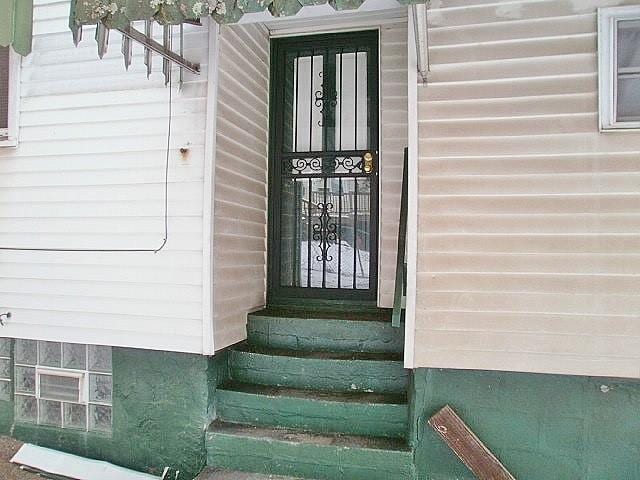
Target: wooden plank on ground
{"x":467,"y":446}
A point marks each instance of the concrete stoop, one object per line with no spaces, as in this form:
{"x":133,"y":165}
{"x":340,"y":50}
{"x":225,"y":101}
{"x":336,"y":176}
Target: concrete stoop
{"x":217,"y":474}
{"x":311,"y":395}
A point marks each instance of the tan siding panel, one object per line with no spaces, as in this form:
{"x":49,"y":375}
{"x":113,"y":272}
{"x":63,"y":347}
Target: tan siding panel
{"x":393,"y":140}
{"x":240,"y":203}
{"x":528,"y":242}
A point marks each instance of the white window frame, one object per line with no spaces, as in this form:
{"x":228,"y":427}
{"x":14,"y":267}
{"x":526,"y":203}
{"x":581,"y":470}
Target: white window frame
{"x":9,"y":136}
{"x":83,"y":385}
{"x":608,"y":19}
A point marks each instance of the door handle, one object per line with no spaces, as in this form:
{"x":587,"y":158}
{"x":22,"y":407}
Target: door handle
{"x":368,"y":164}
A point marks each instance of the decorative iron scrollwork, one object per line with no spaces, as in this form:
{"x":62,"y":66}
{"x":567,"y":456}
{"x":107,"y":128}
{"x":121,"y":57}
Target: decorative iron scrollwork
{"x":326,"y":105}
{"x":318,"y":165}
{"x":325,"y":232}
{"x":348,"y":165}
{"x":302,"y":165}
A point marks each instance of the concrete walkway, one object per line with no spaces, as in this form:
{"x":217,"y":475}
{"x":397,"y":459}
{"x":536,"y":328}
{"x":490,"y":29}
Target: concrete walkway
{"x":9,"y":471}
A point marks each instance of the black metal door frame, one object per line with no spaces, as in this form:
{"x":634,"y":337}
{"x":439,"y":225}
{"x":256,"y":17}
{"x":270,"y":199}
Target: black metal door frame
{"x":279,"y":47}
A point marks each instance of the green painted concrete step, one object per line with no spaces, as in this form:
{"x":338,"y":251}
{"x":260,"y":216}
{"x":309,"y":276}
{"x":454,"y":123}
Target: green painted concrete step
{"x":311,"y":456}
{"x":338,"y":331}
{"x":325,"y":371}
{"x":355,"y":413}
{"x":217,"y":474}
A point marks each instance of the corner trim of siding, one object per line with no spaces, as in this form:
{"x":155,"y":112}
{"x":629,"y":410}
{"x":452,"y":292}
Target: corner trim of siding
{"x":412,"y":190}
{"x":208,"y":340}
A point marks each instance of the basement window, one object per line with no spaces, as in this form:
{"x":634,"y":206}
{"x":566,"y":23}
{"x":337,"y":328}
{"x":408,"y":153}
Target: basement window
{"x":9,"y":82}
{"x":65,"y":385}
{"x":619,"y":67}
{"x":60,"y":385}
{"x":5,"y":370}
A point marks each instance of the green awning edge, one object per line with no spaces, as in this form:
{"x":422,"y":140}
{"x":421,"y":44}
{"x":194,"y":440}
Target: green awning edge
{"x":120,"y":13}
{"x":16,"y":26}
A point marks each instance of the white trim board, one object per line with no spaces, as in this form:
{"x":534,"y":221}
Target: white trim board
{"x":412,"y":196}
{"x":208,"y":256}
{"x":333,"y":21}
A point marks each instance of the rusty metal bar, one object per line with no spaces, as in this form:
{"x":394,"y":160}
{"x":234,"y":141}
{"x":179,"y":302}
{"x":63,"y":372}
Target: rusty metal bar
{"x":158,"y":48}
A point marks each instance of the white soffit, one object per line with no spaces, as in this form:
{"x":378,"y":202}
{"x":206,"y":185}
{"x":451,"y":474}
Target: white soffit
{"x":71,"y":466}
{"x":310,"y":17}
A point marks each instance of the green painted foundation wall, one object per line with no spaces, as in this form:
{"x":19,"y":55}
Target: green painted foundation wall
{"x":6,"y":407}
{"x":542,"y":427}
{"x":6,"y":417}
{"x":161,"y":408}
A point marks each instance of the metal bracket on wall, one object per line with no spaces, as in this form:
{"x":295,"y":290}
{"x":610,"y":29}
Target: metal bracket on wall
{"x":151,"y":46}
{"x":421,"y":33}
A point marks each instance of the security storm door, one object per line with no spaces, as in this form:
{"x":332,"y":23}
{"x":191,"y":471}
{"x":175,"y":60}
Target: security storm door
{"x":323,"y":167}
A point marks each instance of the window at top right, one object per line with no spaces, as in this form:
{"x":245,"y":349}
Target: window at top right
{"x":619,"y":68}
{"x":627,"y":83}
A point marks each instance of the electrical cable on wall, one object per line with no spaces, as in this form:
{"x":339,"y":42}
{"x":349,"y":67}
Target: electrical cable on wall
{"x":166,"y":208}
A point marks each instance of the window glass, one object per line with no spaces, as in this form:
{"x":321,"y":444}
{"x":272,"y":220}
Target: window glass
{"x":100,"y":387}
{"x":5,"y":368}
{"x":629,"y":45}
{"x":50,"y":413}
{"x":100,"y":418}
{"x":628,"y":75}
{"x":50,"y":354}
{"x":74,"y":356}
{"x":26,"y":352}
{"x":56,"y":387}
{"x":26,"y":409}
{"x":628,"y":101}
{"x":25,"y":380}
{"x":6,"y":391}
{"x":5,"y":347}
{"x":99,"y":358}
{"x":75,"y":416}
{"x":75,"y":385}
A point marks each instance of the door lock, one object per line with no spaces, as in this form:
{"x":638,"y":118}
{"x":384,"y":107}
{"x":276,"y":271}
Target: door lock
{"x":367,"y":162}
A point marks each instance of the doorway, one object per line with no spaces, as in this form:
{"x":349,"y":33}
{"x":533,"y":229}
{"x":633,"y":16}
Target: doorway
{"x":324,"y":143}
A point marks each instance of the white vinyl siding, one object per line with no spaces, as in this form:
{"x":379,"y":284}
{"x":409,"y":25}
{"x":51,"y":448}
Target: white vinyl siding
{"x":240,"y":198}
{"x":393,"y":140}
{"x":89,"y":173}
{"x":528,"y":234}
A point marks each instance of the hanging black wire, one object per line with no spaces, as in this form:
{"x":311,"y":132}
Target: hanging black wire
{"x":166,"y":208}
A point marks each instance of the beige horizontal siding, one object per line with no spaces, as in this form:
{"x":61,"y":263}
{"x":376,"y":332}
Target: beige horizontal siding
{"x":393,"y":140}
{"x":240,"y":198}
{"x":529,"y":229}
